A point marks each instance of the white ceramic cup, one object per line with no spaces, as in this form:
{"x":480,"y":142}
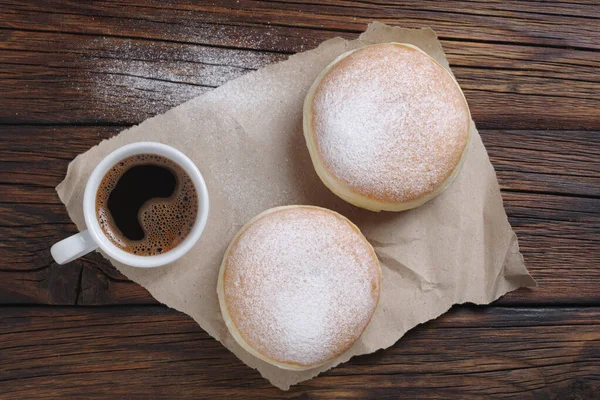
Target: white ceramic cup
{"x":89,"y":240}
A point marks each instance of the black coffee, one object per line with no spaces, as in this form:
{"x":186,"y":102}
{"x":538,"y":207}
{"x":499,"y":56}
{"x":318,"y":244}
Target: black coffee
{"x":146,"y":204}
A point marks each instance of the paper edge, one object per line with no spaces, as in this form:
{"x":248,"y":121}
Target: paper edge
{"x":372,"y":28}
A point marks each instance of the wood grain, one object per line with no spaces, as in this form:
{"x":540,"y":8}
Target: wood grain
{"x":558,"y":162}
{"x":154,"y":352}
{"x":107,"y":67}
{"x":540,"y":172}
{"x":558,"y":237}
{"x":542,"y":24}
{"x":74,"y":73}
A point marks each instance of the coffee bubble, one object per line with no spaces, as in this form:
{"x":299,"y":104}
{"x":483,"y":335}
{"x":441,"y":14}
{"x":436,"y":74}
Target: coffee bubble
{"x":165,"y":221}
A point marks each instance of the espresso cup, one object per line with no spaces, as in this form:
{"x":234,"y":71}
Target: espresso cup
{"x":94,"y":237}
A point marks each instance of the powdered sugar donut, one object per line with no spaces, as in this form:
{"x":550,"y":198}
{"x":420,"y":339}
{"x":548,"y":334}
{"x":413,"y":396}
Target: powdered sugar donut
{"x":298,"y":286}
{"x":386,"y":126}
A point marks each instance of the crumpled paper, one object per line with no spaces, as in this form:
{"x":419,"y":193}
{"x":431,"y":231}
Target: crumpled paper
{"x":246,"y":139}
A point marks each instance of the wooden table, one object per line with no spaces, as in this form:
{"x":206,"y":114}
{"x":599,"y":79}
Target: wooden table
{"x":73,"y":74}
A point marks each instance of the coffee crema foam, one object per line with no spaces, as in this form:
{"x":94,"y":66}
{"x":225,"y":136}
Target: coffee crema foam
{"x":166,"y":222}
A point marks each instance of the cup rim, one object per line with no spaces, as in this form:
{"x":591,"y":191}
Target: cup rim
{"x":89,"y":204}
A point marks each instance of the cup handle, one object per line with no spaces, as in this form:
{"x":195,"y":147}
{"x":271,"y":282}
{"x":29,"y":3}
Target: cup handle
{"x":73,"y":247}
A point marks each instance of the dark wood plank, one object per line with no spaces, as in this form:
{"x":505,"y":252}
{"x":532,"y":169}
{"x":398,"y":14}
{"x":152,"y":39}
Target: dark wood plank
{"x":154,"y":352}
{"x":110,"y":79}
{"x":523,"y":65}
{"x":520,"y":66}
{"x":556,"y":24}
{"x":551,"y":193}
{"x":561,"y":162}
{"x":558,"y":237}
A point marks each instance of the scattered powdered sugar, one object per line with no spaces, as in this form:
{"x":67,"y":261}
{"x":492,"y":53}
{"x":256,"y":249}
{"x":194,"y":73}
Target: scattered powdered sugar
{"x":390,"y":123}
{"x":149,"y":77}
{"x":301,"y":285}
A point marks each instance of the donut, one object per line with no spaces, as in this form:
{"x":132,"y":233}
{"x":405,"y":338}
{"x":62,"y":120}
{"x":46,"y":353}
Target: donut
{"x":298,"y":285}
{"x":386,"y":126}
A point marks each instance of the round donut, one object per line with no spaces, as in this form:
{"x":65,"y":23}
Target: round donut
{"x":387,"y":127}
{"x":298,"y":286}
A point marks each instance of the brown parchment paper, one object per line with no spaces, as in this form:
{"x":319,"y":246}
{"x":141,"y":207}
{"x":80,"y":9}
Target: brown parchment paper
{"x":246,"y":139}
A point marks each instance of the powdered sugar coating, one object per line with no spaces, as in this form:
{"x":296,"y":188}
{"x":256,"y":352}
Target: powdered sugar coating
{"x":300,"y":285}
{"x":389,"y":123}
